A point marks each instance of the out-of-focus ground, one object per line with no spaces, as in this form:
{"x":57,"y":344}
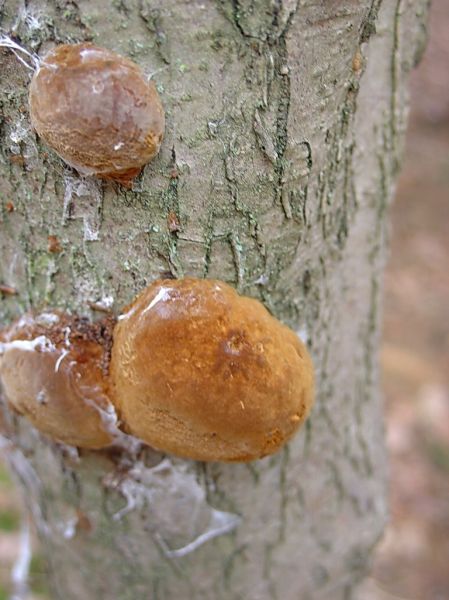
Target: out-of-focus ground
{"x":412,"y":562}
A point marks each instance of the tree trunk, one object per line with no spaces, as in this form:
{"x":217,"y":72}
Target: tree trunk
{"x":285,"y":123}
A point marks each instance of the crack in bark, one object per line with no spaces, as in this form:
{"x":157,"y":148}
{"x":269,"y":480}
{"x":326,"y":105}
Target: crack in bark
{"x":236,"y":17}
{"x":369,"y":27}
{"x":395,"y":57}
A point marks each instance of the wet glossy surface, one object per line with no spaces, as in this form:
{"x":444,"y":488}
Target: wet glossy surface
{"x":97,"y":111}
{"x":52,"y":370}
{"x":204,"y":373}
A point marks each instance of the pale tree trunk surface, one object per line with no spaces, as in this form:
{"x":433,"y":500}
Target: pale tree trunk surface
{"x":285,"y":122}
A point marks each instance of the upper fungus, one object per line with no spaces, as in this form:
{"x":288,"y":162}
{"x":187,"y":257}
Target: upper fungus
{"x":97,"y":111}
{"x":52,"y":371}
{"x":201,"y":372}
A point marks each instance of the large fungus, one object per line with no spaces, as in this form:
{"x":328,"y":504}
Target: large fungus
{"x":96,"y":109}
{"x":203,"y":373}
{"x":52,"y":370}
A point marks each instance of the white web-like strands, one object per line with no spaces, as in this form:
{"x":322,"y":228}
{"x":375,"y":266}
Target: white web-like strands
{"x":220,"y":523}
{"x":21,"y":568}
{"x":22,"y":469}
{"x":18,"y":50}
{"x":174,"y":503}
{"x":83,"y":200}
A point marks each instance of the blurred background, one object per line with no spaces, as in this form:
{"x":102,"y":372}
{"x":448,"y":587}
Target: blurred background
{"x":412,"y":561}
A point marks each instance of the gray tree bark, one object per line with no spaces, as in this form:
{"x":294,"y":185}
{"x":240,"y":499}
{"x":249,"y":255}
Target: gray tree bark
{"x":285,"y":123}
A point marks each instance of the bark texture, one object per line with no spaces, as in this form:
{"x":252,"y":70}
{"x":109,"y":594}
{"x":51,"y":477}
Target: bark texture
{"x":285,"y":122}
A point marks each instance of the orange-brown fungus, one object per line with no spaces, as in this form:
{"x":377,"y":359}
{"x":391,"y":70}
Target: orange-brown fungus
{"x":97,"y":111}
{"x":52,"y":371}
{"x":204,"y":373}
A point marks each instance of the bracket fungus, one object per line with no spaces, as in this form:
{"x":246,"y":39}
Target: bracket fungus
{"x":203,"y":373}
{"x":97,"y":111}
{"x":52,"y":372}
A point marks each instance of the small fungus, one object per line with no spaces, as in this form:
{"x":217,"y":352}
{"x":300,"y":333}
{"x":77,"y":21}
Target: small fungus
{"x":17,"y":159}
{"x":7,"y":290}
{"x":173,"y":222}
{"x":53,"y":244}
{"x":357,"y":62}
{"x":97,"y":111}
{"x":203,"y":373}
{"x":52,"y":372}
